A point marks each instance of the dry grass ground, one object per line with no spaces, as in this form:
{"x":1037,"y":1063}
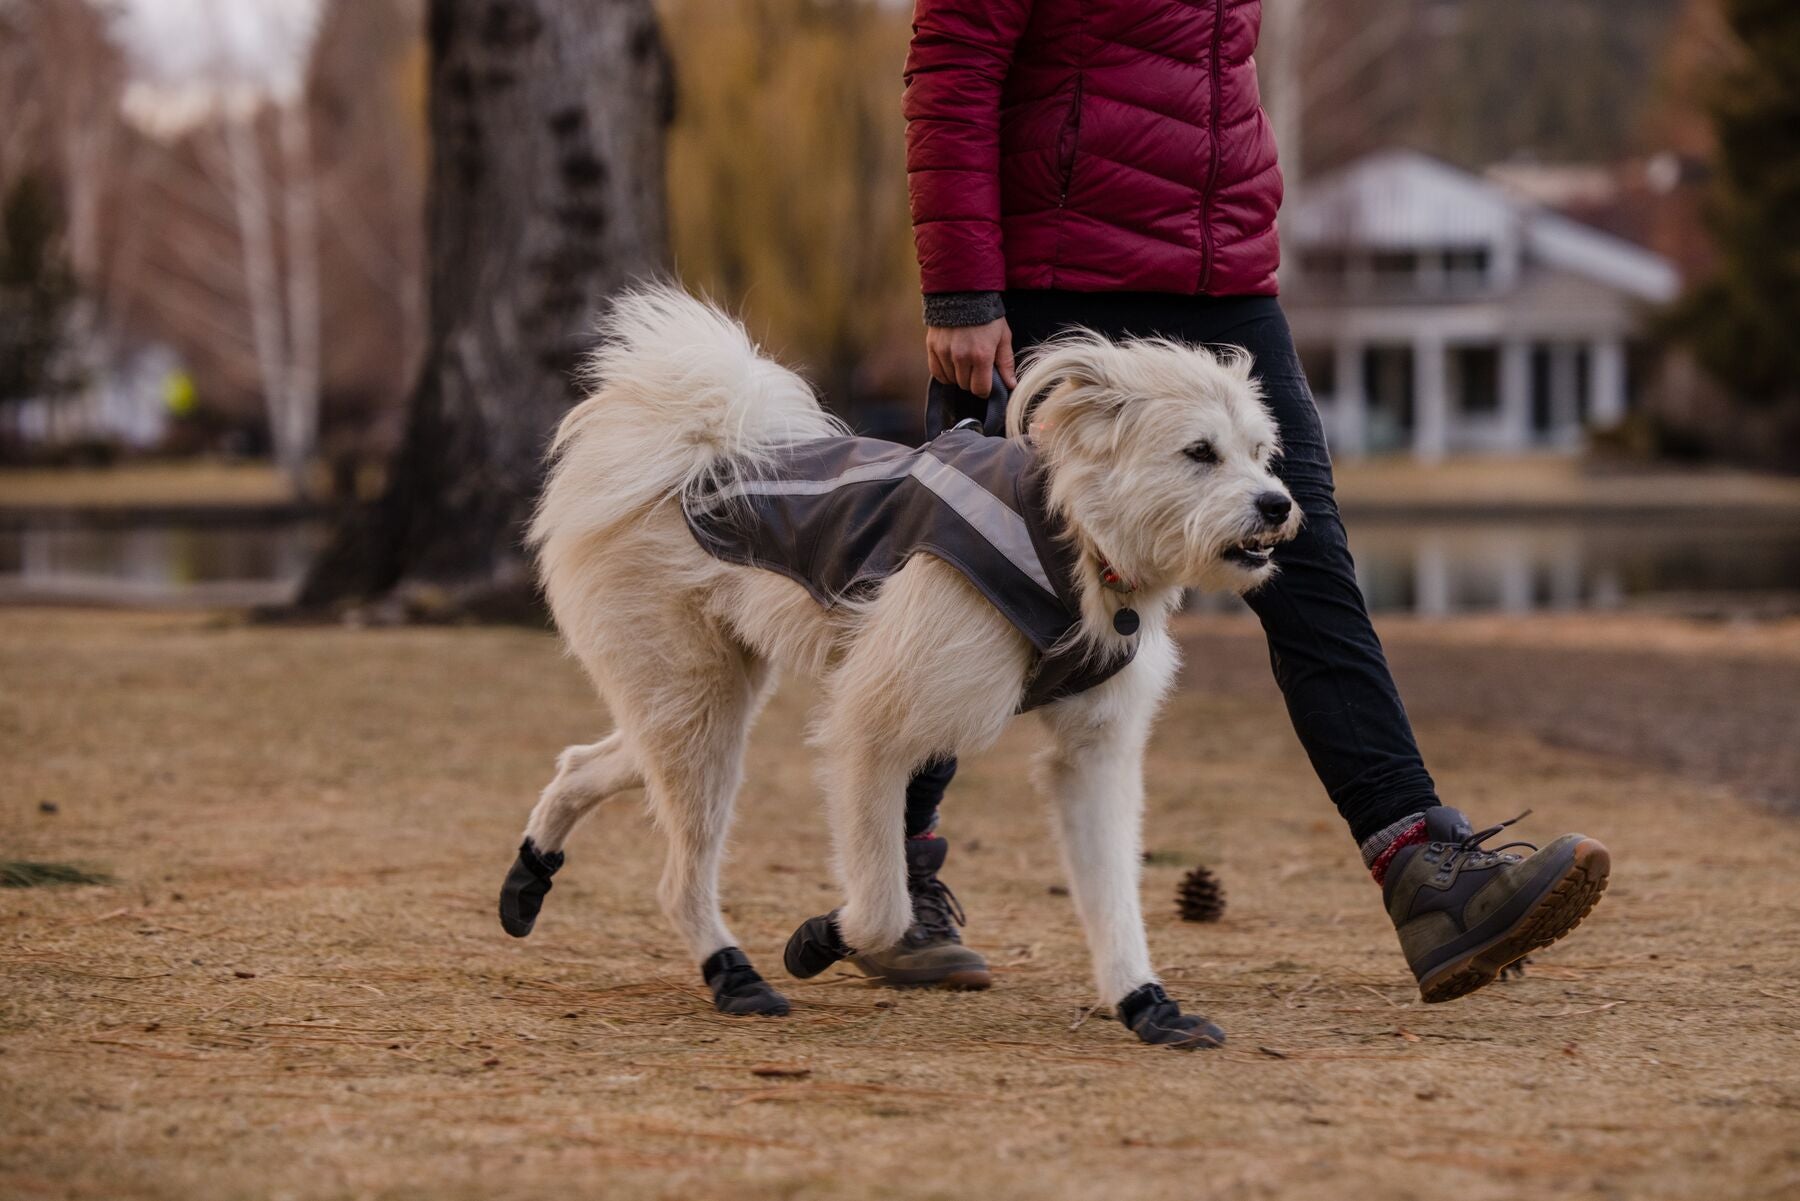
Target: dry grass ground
{"x":297,"y":987}
{"x":187,"y":483}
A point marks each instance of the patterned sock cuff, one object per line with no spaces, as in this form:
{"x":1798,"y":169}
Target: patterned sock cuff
{"x":1379,"y":869}
{"x":1401,"y":834}
{"x":1382,"y":841}
{"x":928,"y":830}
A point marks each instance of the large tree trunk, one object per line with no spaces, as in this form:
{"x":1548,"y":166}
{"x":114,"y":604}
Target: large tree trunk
{"x":546,"y":194}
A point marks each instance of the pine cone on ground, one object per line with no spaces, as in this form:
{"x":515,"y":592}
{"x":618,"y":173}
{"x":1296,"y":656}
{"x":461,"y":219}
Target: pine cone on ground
{"x":1201,"y":898}
{"x":1515,"y":970}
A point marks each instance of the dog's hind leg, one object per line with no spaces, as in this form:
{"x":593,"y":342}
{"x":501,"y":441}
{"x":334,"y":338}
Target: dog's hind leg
{"x":585,"y":776}
{"x":693,"y":752}
{"x":1094,"y":773}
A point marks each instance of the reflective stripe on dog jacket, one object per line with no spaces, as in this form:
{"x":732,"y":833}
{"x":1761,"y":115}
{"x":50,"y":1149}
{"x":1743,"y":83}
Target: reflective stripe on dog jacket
{"x":840,"y":515}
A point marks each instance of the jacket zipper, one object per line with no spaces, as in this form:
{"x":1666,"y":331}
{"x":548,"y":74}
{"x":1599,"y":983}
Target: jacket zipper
{"x":1207,"y":249}
{"x":1072,"y":132}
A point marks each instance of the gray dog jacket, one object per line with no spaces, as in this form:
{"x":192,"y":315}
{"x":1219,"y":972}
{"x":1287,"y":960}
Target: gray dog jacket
{"x":840,"y":515}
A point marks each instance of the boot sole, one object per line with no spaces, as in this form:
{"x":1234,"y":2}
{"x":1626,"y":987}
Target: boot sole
{"x":1559,"y":910}
{"x":959,"y":980}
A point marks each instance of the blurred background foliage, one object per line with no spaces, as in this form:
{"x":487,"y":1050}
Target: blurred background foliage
{"x":787,"y":180}
{"x":786,"y":172}
{"x":1743,"y":319}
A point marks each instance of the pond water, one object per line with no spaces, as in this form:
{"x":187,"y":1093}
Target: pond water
{"x":1441,"y":568}
{"x":220,"y":562}
{"x":1480,"y":566}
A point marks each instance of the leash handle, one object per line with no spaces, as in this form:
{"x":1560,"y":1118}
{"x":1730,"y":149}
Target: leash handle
{"x":947,"y":406}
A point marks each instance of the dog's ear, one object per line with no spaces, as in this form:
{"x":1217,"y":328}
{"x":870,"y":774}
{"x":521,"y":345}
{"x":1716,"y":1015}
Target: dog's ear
{"x":1235,"y":361}
{"x":1073,"y":368}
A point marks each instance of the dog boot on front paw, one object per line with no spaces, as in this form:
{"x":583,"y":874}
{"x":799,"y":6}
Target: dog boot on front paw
{"x":522,"y":896}
{"x":815,"y":946}
{"x":931,"y":953}
{"x":1149,"y":1013}
{"x":738,"y":988}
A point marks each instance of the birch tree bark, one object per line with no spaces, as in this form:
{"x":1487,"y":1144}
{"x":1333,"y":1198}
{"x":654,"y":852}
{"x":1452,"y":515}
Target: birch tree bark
{"x":284,"y":315}
{"x":305,"y":302}
{"x":545,"y":195}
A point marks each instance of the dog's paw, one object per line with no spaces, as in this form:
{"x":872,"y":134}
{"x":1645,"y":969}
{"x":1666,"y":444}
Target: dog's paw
{"x":815,"y":946}
{"x":1149,"y":1013}
{"x":522,"y":896}
{"x":738,"y":988}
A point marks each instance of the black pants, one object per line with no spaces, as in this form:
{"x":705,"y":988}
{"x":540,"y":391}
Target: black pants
{"x":1326,"y":658}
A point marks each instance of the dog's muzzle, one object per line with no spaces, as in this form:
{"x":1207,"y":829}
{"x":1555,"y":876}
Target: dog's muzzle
{"x":1275,"y":509}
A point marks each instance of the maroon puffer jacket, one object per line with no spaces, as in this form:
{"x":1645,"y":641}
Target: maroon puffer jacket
{"x":1093,"y":145}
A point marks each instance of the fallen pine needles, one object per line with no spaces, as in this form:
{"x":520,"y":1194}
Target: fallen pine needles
{"x":22,"y":873}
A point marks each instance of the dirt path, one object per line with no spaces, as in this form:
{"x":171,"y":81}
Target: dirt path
{"x":1712,"y":701}
{"x":297,"y":987}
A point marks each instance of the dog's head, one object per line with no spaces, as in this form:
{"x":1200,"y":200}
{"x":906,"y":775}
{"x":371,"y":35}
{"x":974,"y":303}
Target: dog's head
{"x":1159,"y":454}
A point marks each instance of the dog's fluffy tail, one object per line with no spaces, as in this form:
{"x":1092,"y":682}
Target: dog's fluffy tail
{"x":682,"y":400}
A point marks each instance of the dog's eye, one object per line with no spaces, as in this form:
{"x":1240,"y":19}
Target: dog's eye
{"x":1202,"y":452}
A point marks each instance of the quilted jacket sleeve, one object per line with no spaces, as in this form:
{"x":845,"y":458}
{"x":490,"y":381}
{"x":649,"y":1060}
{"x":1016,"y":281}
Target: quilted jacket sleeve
{"x":961,"y":50}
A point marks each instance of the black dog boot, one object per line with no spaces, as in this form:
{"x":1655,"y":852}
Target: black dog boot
{"x":738,"y":988}
{"x":815,"y":946}
{"x":522,"y":896}
{"x":1149,"y":1013}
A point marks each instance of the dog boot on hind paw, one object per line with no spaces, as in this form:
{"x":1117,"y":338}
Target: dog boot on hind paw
{"x":738,"y":988}
{"x":1149,"y":1013}
{"x":522,"y":896}
{"x":815,"y":946}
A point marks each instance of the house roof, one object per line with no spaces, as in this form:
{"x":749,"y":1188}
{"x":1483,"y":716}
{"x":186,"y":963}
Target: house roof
{"x":1401,"y":199}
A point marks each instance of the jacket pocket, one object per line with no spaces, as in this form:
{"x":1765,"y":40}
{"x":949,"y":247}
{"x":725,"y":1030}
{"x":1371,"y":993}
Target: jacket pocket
{"x":1065,"y":145}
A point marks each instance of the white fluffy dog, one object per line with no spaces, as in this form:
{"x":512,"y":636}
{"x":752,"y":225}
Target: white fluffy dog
{"x":1157,"y":458}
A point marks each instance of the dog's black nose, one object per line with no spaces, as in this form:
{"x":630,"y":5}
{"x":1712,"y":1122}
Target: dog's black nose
{"x":1274,"y":506}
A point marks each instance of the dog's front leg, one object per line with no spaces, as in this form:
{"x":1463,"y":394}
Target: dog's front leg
{"x":867,"y":796}
{"x":1095,"y":779}
{"x":934,"y":668}
{"x":1094,"y":773}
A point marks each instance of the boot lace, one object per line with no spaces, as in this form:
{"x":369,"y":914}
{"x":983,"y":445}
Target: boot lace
{"x":936,"y":911}
{"x":1474,"y":854}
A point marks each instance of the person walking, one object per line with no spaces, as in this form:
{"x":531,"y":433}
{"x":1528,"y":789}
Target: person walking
{"x":1107,"y":164}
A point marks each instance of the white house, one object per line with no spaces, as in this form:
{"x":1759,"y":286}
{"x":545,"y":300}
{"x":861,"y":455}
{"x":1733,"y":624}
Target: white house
{"x":126,"y":403}
{"x":1437,"y":312}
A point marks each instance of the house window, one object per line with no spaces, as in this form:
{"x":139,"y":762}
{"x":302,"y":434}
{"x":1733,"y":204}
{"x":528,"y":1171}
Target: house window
{"x":1584,"y":384}
{"x":1466,"y":268}
{"x":1542,"y":411}
{"x":1388,"y":379}
{"x":1395,"y":267}
{"x":1326,"y":267}
{"x":1319,"y":363}
{"x":1640,"y":361}
{"x":1476,"y":370}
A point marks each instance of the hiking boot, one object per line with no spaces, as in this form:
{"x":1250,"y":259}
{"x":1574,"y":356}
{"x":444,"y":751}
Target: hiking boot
{"x":1464,"y":912}
{"x":931,"y":954}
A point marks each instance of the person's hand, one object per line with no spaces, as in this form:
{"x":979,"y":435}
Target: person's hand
{"x":966,"y":355}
